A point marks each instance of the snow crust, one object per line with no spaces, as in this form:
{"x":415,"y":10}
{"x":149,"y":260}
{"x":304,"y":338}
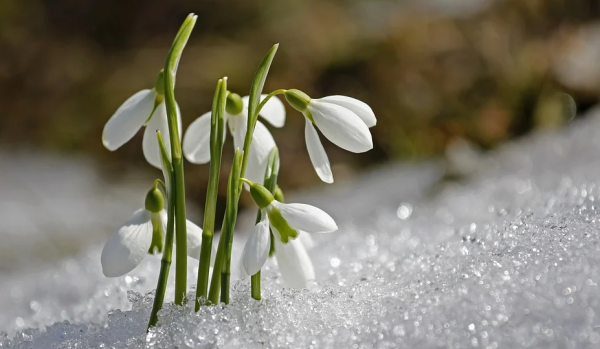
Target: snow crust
{"x":508,"y":258}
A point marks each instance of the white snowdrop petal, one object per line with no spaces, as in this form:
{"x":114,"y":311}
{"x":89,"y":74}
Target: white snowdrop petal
{"x":273,"y":111}
{"x":306,"y":217}
{"x":257,"y":247}
{"x":196,"y":142}
{"x":128,"y":119}
{"x":317,"y":153}
{"x":306,"y":240}
{"x":258,"y":158}
{"x":150,"y":142}
{"x":294,"y":263}
{"x":127,"y":246}
{"x":237,"y":127}
{"x":341,"y":126}
{"x":194,"y":239}
{"x":359,"y":108}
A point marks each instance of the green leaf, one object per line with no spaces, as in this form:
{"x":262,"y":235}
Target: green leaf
{"x":259,"y":81}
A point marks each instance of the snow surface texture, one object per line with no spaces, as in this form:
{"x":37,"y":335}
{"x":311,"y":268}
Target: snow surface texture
{"x":508,"y":259}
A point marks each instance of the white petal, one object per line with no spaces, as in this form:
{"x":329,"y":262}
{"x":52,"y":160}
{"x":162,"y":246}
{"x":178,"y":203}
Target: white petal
{"x":306,"y":217}
{"x":194,"y":239}
{"x":306,"y":240}
{"x":127,"y":246}
{"x":128,"y":119}
{"x":294,"y":263}
{"x":237,"y":127}
{"x":273,"y":111}
{"x":359,"y":108}
{"x":341,"y":126}
{"x":257,"y":247}
{"x":262,"y":143}
{"x":150,"y":142}
{"x":196,"y":142}
{"x":317,"y":153}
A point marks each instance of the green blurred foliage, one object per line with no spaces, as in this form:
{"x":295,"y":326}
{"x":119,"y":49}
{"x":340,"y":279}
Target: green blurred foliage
{"x":432,"y":73}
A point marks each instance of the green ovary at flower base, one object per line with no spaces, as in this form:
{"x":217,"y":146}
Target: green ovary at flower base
{"x":288,"y":222}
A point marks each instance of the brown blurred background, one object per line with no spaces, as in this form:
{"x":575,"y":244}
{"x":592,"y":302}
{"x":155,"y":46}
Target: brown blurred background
{"x":434,"y":71}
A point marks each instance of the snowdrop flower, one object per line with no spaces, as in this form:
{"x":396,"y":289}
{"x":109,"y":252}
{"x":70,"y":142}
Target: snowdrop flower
{"x":345,"y":121}
{"x":145,"y":108}
{"x":196,"y":142}
{"x":288,"y":222}
{"x":141,"y":235}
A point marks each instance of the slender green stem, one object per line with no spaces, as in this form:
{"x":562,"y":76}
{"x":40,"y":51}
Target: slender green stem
{"x":266,"y":99}
{"x":165,"y":263}
{"x":223,"y":259}
{"x":217,"y":129}
{"x":255,"y":286}
{"x":231,"y":217}
{"x":215,"y":281}
{"x":270,"y":182}
{"x":170,"y":70}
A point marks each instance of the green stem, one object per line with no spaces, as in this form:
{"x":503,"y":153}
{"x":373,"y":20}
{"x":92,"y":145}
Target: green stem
{"x":223,"y":258}
{"x":216,"y":149}
{"x":170,"y":70}
{"x":255,"y":286}
{"x":165,"y":265}
{"x":231,"y":217}
{"x":270,"y":182}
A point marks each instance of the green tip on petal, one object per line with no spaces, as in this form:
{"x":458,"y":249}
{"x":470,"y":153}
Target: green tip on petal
{"x":261,"y":195}
{"x":155,"y":201}
{"x":234,"y":104}
{"x":297,"y":99}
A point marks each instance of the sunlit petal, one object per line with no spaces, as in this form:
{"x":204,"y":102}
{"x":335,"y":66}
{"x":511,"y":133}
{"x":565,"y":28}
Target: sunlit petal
{"x":359,"y":108}
{"x":127,"y":246}
{"x":128,"y":119}
{"x":150,"y":142}
{"x":294,"y":263}
{"x":194,"y":239}
{"x":273,"y":111}
{"x":262,"y":143}
{"x":306,"y":217}
{"x":341,"y":126}
{"x":306,"y":240}
{"x":196,"y":142}
{"x":257,"y":247}
{"x":317,"y":153}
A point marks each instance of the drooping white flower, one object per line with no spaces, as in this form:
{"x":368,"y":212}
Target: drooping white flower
{"x":143,"y":234}
{"x":345,"y":121}
{"x":196,"y":142}
{"x":144,"y":108}
{"x":287,"y":222}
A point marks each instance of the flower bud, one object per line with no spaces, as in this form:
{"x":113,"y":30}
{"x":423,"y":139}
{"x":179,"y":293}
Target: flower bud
{"x":278,"y":194}
{"x":155,"y":201}
{"x":261,"y":195}
{"x":234,"y":104}
{"x":159,"y":85}
{"x":297,"y":99}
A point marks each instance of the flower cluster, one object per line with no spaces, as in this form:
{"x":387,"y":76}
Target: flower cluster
{"x":282,"y":229}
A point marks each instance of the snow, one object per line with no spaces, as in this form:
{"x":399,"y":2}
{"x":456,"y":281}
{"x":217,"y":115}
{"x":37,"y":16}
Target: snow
{"x":507,"y":258}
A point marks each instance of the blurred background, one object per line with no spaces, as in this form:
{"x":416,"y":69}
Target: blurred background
{"x":440,"y":75}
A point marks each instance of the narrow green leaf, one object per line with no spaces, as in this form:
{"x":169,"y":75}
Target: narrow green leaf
{"x":259,"y":81}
